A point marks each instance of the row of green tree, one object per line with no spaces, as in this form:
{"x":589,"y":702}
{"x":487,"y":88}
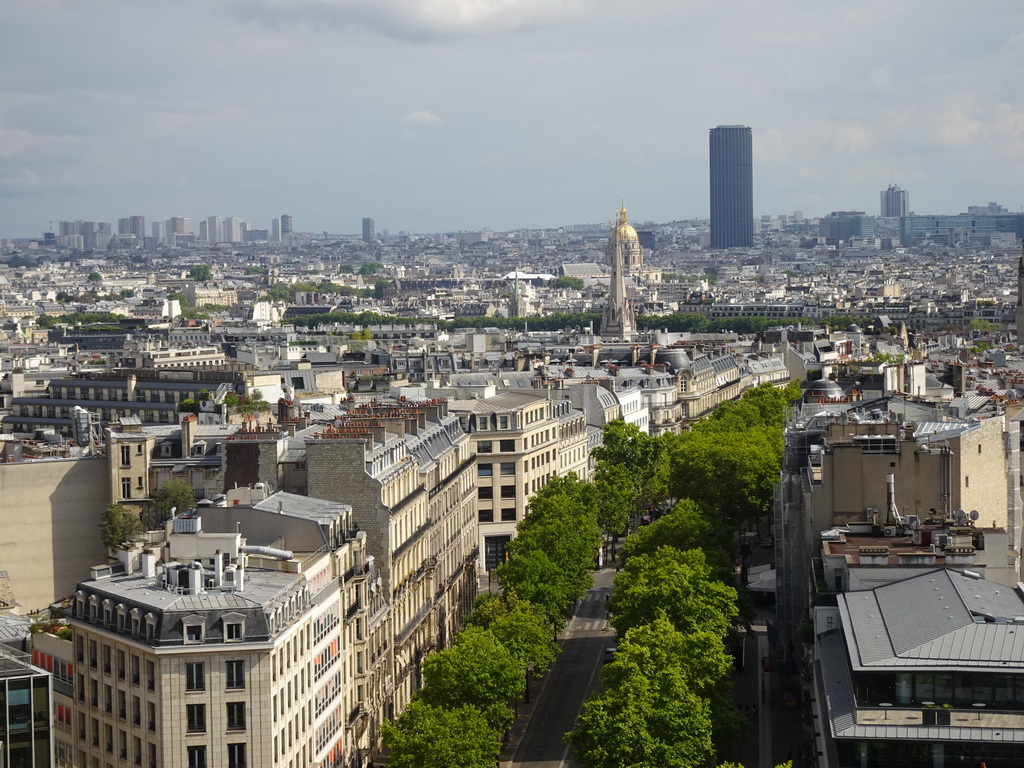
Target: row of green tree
{"x":666,"y":699}
{"x":681,"y":322}
{"x":459,"y":716}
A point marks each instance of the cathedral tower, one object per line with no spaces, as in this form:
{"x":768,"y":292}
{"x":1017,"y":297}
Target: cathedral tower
{"x":618,"y":320}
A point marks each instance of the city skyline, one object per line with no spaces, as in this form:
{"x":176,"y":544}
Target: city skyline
{"x":497,"y":115}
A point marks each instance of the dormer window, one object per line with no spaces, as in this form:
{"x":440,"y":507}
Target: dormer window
{"x":193,"y":629}
{"x":234,"y":627}
{"x":165,"y":450}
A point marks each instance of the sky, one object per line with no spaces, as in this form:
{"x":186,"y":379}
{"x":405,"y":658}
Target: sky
{"x":440,"y":115}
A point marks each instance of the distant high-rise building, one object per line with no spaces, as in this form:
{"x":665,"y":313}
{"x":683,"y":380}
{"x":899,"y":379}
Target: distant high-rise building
{"x":160,"y":231}
{"x":124,"y":226}
{"x":178,"y":225}
{"x":275,"y":230}
{"x":894,"y":202}
{"x":214,"y":229}
{"x":732,"y":187}
{"x":204,"y":231}
{"x":369,"y":234}
{"x":137,"y":227}
{"x":286,"y":228}
{"x":232,"y":230}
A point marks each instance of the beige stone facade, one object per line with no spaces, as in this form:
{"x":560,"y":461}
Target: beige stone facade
{"x":206,"y":651}
{"x":521,"y":440}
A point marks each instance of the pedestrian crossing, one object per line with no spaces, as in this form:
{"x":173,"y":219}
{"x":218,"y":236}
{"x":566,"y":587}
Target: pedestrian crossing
{"x":589,"y":625}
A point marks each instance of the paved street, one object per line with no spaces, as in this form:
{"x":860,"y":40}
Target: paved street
{"x":571,"y":679}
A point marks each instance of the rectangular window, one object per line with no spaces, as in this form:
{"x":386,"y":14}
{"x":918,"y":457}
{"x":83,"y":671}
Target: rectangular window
{"x":236,"y":756}
{"x":236,"y":715}
{"x":126,"y":487}
{"x":150,"y":675}
{"x":484,"y":446}
{"x":484,"y":470}
{"x":508,"y":491}
{"x":487,"y":492}
{"x":194,"y":633}
{"x":234,"y":672}
{"x":233,"y":631}
{"x":485,"y":515}
{"x":503,"y":422}
{"x":194,"y":678}
{"x":508,"y":514}
{"x":508,"y":446}
{"x":197,"y":757}
{"x":126,"y":455}
{"x":196,"y":717}
{"x":508,"y":467}
{"x":481,"y":423}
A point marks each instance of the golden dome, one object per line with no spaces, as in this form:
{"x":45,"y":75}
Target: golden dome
{"x":624,"y":231}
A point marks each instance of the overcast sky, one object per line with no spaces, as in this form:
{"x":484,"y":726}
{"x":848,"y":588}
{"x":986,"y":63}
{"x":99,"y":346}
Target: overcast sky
{"x":434,"y":115}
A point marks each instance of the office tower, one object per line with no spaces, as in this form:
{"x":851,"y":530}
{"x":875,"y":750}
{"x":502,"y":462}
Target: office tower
{"x":732,"y":187}
{"x":159,"y":231}
{"x":275,"y":230}
{"x":124,"y":226}
{"x":214,"y":229}
{"x":369,"y":235}
{"x":232,"y":230}
{"x":204,"y":231}
{"x":894,"y":202}
{"x":618,"y":320}
{"x":286,"y":229}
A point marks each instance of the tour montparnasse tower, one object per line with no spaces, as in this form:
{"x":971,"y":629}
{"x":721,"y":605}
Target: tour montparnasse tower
{"x":618,"y":320}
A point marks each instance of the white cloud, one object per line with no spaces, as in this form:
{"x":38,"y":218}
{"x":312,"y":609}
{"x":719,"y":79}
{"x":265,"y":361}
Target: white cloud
{"x":422,"y":117}
{"x":413,"y":20}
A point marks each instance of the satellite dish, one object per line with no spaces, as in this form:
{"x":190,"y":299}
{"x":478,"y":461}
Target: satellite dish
{"x":975,"y":514}
{"x":961,"y":517}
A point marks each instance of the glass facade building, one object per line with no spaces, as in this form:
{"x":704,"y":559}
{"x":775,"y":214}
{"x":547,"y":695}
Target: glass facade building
{"x":732,"y":187}
{"x":25,"y":713}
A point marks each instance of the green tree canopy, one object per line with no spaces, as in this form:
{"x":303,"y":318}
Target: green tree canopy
{"x":426,"y":736}
{"x":118,"y":524}
{"x":687,"y":525}
{"x":648,"y":715}
{"x":201,"y":273}
{"x":535,"y":577}
{"x":95,"y":277}
{"x":676,"y":585}
{"x":174,"y":494}
{"x":370,"y":268}
{"x":479,"y":671}
{"x":569,"y":282}
{"x":520,"y":626}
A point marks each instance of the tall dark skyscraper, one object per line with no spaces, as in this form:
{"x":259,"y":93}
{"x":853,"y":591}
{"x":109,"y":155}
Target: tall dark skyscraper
{"x":369,"y":233}
{"x":732,"y":187}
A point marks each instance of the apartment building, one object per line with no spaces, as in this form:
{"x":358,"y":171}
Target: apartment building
{"x":199,"y":649}
{"x":521,"y":439}
{"x":838,"y":461}
{"x":406,"y":467}
{"x":152,"y":395}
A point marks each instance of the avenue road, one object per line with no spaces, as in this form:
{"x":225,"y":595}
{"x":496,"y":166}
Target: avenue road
{"x":573,"y":676}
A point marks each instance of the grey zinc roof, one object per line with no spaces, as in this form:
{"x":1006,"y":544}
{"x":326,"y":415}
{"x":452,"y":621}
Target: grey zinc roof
{"x":936,"y":619}
{"x":842,"y":706}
